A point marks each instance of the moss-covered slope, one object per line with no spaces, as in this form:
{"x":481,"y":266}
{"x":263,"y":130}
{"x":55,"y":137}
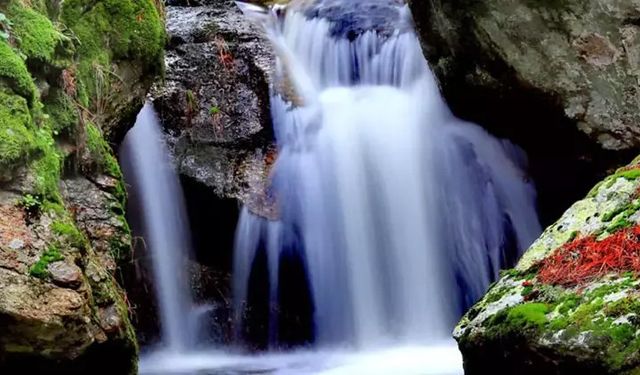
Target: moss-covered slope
{"x":69,"y":72}
{"x":572,"y":305}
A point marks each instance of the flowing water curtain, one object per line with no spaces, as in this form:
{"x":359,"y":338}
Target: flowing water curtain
{"x":401,"y":213}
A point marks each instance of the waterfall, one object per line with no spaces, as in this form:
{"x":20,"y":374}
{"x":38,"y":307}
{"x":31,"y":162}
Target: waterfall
{"x":165,"y":225}
{"x":401,"y":214}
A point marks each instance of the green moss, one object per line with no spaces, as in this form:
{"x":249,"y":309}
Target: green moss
{"x":70,"y":233}
{"x":47,"y":167}
{"x":38,"y":37}
{"x":101,"y":152}
{"x":39,"y":269}
{"x":627,"y":174}
{"x":14,"y":71}
{"x":528,"y":315}
{"x":16,"y":139}
{"x":113,"y":30}
{"x":621,"y":215}
{"x":63,"y":112}
{"x":622,"y":307}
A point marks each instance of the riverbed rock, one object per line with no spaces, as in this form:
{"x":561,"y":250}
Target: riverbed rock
{"x":572,"y":304}
{"x":214,"y":101}
{"x":70,"y":72}
{"x":581,"y":56}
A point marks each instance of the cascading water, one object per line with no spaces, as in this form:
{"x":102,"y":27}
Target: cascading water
{"x":395,"y":215}
{"x":402,"y":214}
{"x":149,"y":172}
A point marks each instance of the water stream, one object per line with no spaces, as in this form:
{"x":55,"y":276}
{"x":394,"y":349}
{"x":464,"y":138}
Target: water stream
{"x":165,"y":225}
{"x":401,"y":214}
{"x":395,"y":215}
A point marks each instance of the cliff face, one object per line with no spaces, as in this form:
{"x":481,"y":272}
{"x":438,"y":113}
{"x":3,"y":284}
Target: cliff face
{"x":70,"y":73}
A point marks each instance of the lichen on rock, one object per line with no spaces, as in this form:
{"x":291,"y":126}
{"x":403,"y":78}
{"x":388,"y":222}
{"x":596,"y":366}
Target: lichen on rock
{"x":571,"y":305}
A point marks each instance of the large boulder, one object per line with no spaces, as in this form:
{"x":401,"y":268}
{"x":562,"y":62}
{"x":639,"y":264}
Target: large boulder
{"x":214,"y":101}
{"x":581,"y":55}
{"x":572,"y":304}
{"x":70,"y":72}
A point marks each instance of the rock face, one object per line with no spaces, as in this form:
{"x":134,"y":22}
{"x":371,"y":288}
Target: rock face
{"x":214,"y":101}
{"x":572,"y":304}
{"x":69,"y":72}
{"x":582,"y":55}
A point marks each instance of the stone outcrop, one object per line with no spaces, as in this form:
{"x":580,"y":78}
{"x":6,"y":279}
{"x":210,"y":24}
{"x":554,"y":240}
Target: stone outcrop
{"x":214,"y":101}
{"x":572,"y":304}
{"x":70,"y":73}
{"x":581,"y":55}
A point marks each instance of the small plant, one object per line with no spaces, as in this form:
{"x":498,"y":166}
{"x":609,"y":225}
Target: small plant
{"x":40,"y":268}
{"x":70,"y":233}
{"x":30,"y":202}
{"x":5,"y":27}
{"x":31,"y":205}
{"x":214,"y":110}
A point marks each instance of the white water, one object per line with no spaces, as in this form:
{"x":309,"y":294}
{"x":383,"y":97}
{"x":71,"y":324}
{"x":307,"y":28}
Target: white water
{"x":399,"y":205}
{"x":165,"y":223}
{"x":402,"y":213}
{"x":435,"y":360}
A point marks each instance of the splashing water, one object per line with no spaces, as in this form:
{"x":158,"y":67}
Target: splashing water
{"x":401,"y":213}
{"x":165,"y":223}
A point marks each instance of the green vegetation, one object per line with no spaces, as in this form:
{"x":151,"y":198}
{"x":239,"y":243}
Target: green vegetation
{"x":39,"y":269}
{"x":47,"y":168}
{"x":14,"y":71}
{"x":16,"y":139}
{"x":628,"y":174}
{"x":528,"y":315}
{"x":621,"y":215}
{"x":214,"y":110}
{"x":101,"y":152}
{"x":70,"y":233}
{"x":38,"y":37}
{"x":593,"y":311}
{"x":5,"y":27}
{"x":113,"y":30}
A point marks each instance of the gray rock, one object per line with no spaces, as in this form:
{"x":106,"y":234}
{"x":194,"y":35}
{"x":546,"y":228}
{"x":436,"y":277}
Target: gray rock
{"x":580,"y":56}
{"x":65,"y":274}
{"x":214,"y":102}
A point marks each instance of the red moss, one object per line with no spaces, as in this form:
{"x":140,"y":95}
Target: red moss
{"x":586,"y":259}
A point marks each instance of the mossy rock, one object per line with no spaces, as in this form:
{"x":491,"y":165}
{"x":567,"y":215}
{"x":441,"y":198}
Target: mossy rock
{"x":67,"y":70}
{"x":529,"y":323}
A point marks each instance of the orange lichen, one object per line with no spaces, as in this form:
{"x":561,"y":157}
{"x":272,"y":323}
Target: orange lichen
{"x":586,"y":259}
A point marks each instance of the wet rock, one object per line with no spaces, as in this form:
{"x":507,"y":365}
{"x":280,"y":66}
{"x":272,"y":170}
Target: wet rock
{"x":65,"y":274}
{"x":214,"y":102}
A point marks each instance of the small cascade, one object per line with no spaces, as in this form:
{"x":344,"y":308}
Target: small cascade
{"x":401,"y":214}
{"x":165,"y":226}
